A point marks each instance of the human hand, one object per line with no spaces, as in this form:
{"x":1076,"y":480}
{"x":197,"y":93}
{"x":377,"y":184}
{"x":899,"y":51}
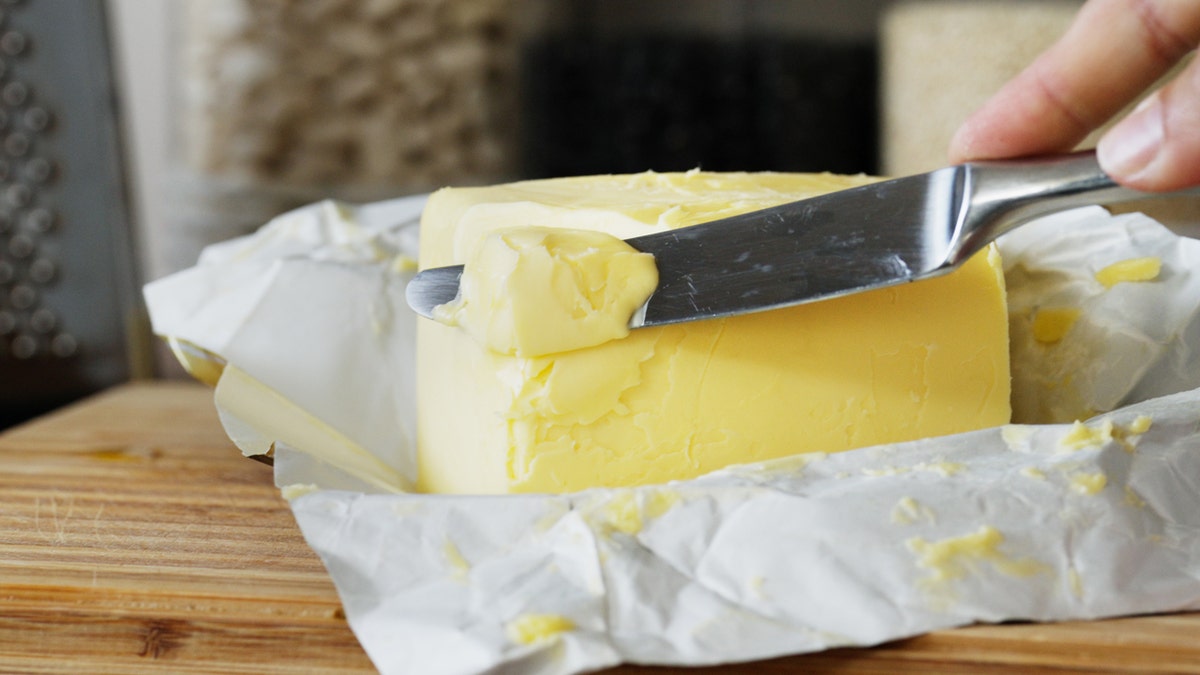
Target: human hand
{"x":1112,"y":52}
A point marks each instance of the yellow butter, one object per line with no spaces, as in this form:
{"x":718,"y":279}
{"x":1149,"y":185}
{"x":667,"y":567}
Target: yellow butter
{"x":528,"y":629}
{"x":1088,"y":483}
{"x":673,"y":402}
{"x":533,"y":291}
{"x":1140,"y":425}
{"x":1051,"y":324}
{"x":1131,"y":270}
{"x":955,"y":557}
{"x":1080,"y":435}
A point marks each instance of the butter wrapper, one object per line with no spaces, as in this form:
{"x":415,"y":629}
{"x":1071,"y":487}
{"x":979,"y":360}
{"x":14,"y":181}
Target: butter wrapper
{"x":1050,"y":521}
{"x":1124,"y":343}
{"x":310,"y":316}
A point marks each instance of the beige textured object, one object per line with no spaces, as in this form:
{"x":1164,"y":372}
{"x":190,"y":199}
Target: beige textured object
{"x":287,"y":102}
{"x":387,"y":93}
{"x":941,"y":60}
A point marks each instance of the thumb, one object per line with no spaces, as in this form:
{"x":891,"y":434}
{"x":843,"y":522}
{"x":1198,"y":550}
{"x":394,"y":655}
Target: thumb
{"x":1157,"y":147}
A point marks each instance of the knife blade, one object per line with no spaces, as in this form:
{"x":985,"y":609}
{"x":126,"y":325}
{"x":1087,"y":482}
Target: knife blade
{"x":878,"y":235}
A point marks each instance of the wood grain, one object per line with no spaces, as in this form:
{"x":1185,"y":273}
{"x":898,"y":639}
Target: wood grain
{"x":134,"y":538}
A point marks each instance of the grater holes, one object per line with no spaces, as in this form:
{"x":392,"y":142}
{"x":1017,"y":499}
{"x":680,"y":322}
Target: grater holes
{"x":15,"y":93}
{"x":30,"y":328}
{"x":13,"y":43}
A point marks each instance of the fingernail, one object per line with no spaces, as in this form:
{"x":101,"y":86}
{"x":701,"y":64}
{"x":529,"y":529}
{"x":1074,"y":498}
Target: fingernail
{"x":1133,"y":143}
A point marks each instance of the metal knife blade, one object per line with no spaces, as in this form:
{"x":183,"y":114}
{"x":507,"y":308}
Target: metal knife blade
{"x":855,"y":240}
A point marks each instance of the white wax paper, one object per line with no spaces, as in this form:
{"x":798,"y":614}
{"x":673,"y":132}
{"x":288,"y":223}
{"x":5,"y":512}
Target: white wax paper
{"x":1053,"y":521}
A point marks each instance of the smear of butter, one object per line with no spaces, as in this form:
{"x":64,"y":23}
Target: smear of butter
{"x":1081,"y":436}
{"x":954,"y":557}
{"x":404,"y":263}
{"x":532,"y":291}
{"x":1131,"y":270}
{"x":755,"y":584}
{"x":888,"y":470}
{"x":1076,"y":582}
{"x":297,"y":490}
{"x":458,"y":564}
{"x":659,"y":502}
{"x":627,"y":510}
{"x":1140,"y":424}
{"x":1051,"y":324}
{"x":406,"y":508}
{"x":941,"y":467}
{"x":527,"y":629}
{"x":908,"y":511}
{"x":1128,"y":436}
{"x":1016,"y":436}
{"x":1088,"y":483}
{"x":1132,"y":498}
{"x":623,"y":513}
{"x":1033,"y":472}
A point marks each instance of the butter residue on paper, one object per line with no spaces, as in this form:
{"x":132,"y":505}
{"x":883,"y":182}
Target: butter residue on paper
{"x":1145,"y":268}
{"x":1075,"y":582}
{"x":1132,"y":498}
{"x":1080,"y":435}
{"x":1140,"y":424}
{"x":529,"y":629}
{"x":1017,"y":436}
{"x":1104,"y":311}
{"x":908,"y":511}
{"x":940,"y":467}
{"x":297,"y":490}
{"x":532,"y":291}
{"x":1051,"y":324}
{"x":678,"y":401}
{"x":627,"y":511}
{"x":1088,"y":483}
{"x":954,"y":557}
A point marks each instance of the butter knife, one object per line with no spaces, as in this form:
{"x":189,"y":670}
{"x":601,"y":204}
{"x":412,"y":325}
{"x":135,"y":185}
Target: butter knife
{"x":886,"y":233}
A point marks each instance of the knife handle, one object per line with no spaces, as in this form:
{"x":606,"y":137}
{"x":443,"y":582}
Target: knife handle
{"x":1000,"y":195}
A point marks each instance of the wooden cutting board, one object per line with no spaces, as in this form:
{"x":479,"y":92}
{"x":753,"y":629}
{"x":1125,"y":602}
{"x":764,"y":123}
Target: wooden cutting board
{"x":134,"y":538}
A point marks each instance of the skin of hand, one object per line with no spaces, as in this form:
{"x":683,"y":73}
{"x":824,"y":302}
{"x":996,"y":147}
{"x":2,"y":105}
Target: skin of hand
{"x":1112,"y":52}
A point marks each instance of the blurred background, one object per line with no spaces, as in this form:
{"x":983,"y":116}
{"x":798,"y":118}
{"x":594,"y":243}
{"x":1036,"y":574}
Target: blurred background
{"x":135,"y":132}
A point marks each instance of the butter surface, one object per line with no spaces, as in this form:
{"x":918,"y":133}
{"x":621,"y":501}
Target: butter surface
{"x":673,"y":402}
{"x":532,"y":291}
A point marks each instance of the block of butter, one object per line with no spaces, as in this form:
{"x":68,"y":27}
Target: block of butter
{"x":673,"y":402}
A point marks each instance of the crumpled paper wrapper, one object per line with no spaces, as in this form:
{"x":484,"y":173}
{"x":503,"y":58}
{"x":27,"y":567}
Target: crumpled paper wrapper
{"x":1051,"y":521}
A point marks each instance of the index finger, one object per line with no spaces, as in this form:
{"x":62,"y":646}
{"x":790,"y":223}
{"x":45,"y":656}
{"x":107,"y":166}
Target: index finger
{"x":1113,"y":51}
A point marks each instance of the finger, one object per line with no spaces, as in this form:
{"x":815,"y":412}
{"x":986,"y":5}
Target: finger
{"x":1157,"y":147}
{"x":1112,"y":51}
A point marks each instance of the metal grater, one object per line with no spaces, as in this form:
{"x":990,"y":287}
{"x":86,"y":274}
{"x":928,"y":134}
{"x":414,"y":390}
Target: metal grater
{"x":68,"y":285}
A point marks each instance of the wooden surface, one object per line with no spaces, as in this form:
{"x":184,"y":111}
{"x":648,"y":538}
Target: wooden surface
{"x":134,"y":538}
